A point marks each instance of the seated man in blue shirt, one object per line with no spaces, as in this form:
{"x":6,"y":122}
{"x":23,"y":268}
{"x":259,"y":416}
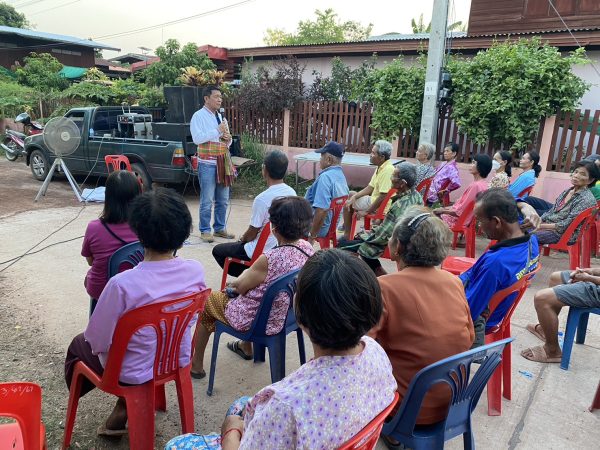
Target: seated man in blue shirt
{"x":331,"y":183}
{"x":503,"y":264}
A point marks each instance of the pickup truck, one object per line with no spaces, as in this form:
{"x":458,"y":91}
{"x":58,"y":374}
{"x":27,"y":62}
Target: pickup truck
{"x":151,"y":160}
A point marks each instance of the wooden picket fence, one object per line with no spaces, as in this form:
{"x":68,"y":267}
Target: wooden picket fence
{"x":576,"y":135}
{"x":266,"y":128}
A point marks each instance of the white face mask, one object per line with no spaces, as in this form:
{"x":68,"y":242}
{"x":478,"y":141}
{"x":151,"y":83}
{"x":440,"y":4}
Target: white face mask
{"x":495,"y":164}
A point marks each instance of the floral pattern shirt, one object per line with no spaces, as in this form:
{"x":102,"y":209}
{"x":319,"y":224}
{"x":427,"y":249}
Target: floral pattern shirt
{"x":241,"y":310}
{"x":563,"y":215}
{"x":500,"y":180}
{"x":447,"y":175}
{"x":321,"y":405}
{"x":424,"y":171}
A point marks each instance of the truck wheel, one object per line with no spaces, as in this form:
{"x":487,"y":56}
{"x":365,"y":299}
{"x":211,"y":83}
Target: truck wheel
{"x":11,"y":144}
{"x":38,"y":162}
{"x":141,"y":174}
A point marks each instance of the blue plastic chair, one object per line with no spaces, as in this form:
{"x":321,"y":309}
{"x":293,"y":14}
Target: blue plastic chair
{"x":576,"y":321}
{"x":455,"y":372}
{"x":130,"y":254}
{"x":257,"y":332}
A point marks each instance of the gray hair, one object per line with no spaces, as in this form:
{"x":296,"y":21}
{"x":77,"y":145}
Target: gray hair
{"x":408,"y":172}
{"x":425,"y":241}
{"x":384,"y":148}
{"x":429,"y":148}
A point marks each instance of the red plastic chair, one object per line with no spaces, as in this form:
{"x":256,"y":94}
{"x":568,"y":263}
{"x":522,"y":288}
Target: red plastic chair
{"x":22,"y":402}
{"x":578,"y":255}
{"x":336,"y":206}
{"x":459,"y":264}
{"x":596,"y":401}
{"x":379,"y":214}
{"x":117,"y":162}
{"x":526,"y":191}
{"x":367,"y":438}
{"x":446,"y":197}
{"x":423,"y":187}
{"x":467,"y":229}
{"x":169,"y":319}
{"x":500,"y":383}
{"x":260,"y":246}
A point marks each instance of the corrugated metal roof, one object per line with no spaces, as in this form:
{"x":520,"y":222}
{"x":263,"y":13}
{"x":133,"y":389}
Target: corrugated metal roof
{"x":412,"y":36}
{"x":55,"y":38}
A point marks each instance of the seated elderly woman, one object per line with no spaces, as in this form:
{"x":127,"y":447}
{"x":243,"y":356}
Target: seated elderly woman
{"x":425,"y":159}
{"x":569,"y":204}
{"x":447,"y":178}
{"x":111,"y":231}
{"x":371,"y":244}
{"x":162,"y":222}
{"x":480,"y":168}
{"x":425,"y":312}
{"x":333,"y":396}
{"x":290,"y":221}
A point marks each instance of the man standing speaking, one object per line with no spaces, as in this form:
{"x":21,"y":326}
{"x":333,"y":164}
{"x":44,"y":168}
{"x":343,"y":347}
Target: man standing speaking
{"x":215,"y":169}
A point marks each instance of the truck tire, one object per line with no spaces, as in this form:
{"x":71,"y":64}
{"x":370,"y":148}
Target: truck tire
{"x":141,"y":174}
{"x":39,"y":164}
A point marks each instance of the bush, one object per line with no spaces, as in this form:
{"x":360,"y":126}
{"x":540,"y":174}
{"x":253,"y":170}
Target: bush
{"x":41,"y":72}
{"x":15,"y":98}
{"x":89,"y":91}
{"x":502,"y":93}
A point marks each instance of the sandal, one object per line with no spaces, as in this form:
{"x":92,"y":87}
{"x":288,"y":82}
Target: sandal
{"x":392,"y":445}
{"x":103,"y":431}
{"x":533,"y":329}
{"x":538,"y":354}
{"x":198,"y":375}
{"x":235,"y":348}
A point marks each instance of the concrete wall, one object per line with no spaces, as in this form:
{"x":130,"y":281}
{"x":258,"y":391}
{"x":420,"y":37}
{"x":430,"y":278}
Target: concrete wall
{"x":587,"y":72}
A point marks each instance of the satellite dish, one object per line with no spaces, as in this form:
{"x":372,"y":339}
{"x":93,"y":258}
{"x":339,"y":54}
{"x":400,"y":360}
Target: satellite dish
{"x":62,"y":137}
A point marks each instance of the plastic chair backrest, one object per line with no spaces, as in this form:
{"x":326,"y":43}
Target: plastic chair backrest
{"x":498,"y":298}
{"x":169,"y":319}
{"x":130,"y":254}
{"x":455,"y":371}
{"x":526,"y":191}
{"x":423,"y":187}
{"x":117,"y":162}
{"x":260,"y":244}
{"x":22,"y":401}
{"x":466,"y":214}
{"x":336,"y":206}
{"x":380,"y":213}
{"x":285,"y":284}
{"x":367,"y":438}
{"x":585,"y":218}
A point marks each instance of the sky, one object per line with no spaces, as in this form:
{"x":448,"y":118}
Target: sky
{"x":239,"y":23}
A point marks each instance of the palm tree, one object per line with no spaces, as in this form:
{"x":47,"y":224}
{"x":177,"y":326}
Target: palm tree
{"x":419,"y":26}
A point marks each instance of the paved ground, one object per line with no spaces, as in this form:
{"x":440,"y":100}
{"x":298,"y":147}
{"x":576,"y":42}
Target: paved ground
{"x":43,"y":305}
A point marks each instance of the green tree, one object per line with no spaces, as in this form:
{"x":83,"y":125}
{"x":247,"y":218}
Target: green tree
{"x":325,"y":28}
{"x":41,"y":71}
{"x":173,"y":58}
{"x":344,"y":82}
{"x":15,"y":98}
{"x":10,"y":17}
{"x":418,"y":26}
{"x":501,"y":94}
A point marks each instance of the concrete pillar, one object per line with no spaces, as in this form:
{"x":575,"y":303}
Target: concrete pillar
{"x":545,"y":155}
{"x":286,"y":130}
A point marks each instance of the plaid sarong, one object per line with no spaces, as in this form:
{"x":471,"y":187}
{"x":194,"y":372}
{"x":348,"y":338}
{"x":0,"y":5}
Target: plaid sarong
{"x":219,"y":152}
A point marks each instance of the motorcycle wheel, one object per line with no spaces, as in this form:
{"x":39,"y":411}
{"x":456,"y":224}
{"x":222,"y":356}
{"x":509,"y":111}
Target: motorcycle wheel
{"x":39,"y":165}
{"x":13,"y":146}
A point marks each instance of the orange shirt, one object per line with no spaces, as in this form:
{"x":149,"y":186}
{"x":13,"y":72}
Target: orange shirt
{"x":425,"y":319}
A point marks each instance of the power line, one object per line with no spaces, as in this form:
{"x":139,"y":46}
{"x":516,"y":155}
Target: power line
{"x":173,"y":22}
{"x":573,"y":36}
{"x":27,"y":3}
{"x":53,"y":8}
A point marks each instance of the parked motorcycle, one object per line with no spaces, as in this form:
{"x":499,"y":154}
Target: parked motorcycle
{"x":14,"y":142}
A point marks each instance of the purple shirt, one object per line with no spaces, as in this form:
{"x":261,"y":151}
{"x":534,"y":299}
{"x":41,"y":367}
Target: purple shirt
{"x":145,"y":284}
{"x":447,"y":173}
{"x":100,"y":245}
{"x":322,"y":404}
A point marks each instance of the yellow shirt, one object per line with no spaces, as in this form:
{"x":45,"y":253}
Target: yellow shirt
{"x":381,"y":182}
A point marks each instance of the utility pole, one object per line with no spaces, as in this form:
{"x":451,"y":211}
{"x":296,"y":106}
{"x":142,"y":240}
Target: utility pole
{"x":435,"y":60}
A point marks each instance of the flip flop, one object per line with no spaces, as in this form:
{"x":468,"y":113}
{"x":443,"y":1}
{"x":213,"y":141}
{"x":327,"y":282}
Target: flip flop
{"x":103,"y":431}
{"x":538,"y":354}
{"x":533,"y":329}
{"x":389,"y":444}
{"x":235,"y":348}
{"x":198,"y":375}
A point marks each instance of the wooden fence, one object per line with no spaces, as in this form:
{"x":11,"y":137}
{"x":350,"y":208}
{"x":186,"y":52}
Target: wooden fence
{"x":267,"y":128}
{"x":575,"y":136}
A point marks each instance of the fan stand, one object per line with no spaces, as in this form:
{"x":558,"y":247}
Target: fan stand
{"x":59,"y":162}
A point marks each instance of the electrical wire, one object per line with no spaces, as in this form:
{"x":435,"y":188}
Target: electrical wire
{"x":41,"y":249}
{"x":18,"y":258}
{"x":53,"y":8}
{"x":173,"y":22}
{"x":27,"y":3}
{"x":573,"y":36}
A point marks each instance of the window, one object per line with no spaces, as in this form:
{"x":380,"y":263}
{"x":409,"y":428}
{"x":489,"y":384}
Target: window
{"x":77,"y":117}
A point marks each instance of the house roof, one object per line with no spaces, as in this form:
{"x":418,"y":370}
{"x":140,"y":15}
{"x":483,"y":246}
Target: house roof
{"x":33,"y":34}
{"x":133,"y":57}
{"x":108,"y":64}
{"x":394,"y":44}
